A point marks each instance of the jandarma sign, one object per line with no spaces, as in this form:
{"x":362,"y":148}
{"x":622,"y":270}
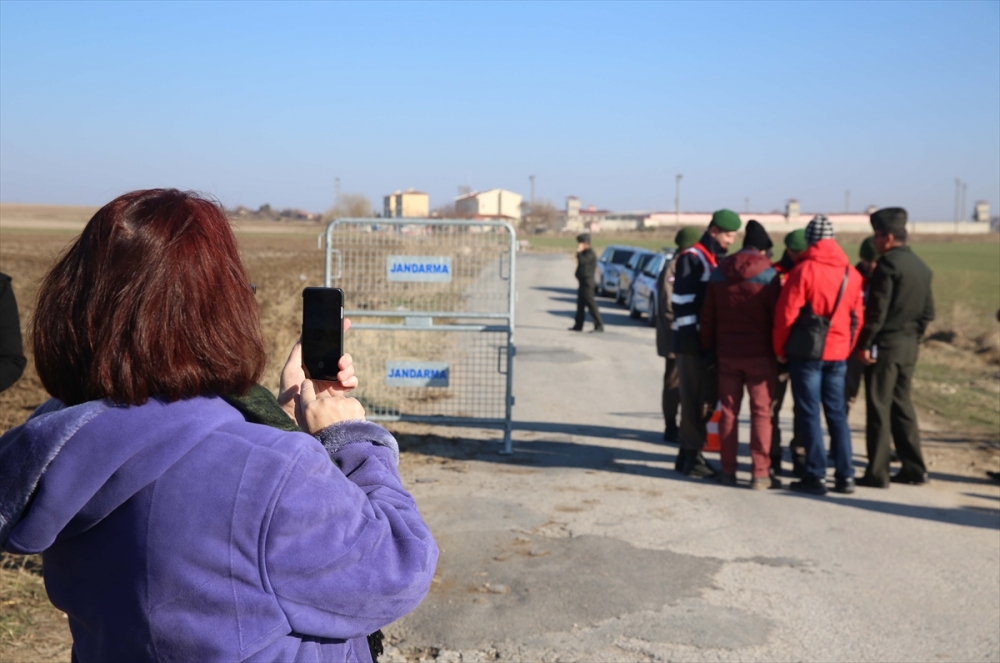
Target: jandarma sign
{"x":416,"y":374}
{"x":419,"y":268}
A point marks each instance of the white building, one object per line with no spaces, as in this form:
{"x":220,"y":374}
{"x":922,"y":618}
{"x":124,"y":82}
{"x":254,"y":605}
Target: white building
{"x":409,"y":203}
{"x":490,"y":204}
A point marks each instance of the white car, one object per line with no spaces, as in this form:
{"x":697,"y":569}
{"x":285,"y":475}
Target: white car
{"x":644,"y":298}
{"x":626,"y":275}
{"x":612,"y":260}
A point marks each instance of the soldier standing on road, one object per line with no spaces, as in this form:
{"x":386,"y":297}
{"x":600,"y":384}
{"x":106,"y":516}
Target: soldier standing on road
{"x":586,"y":264}
{"x":684,"y":239}
{"x":795,"y":244}
{"x":698,"y":385}
{"x":855,"y":368}
{"x":900,"y":306}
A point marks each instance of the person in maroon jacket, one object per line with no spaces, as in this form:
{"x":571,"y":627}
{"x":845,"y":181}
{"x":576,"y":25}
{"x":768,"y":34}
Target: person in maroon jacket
{"x":736,"y":321}
{"x":824,"y":283}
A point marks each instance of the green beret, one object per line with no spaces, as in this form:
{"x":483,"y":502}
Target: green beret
{"x":796,"y":240}
{"x":687,"y":237}
{"x":726,"y":220}
{"x":868,"y":251}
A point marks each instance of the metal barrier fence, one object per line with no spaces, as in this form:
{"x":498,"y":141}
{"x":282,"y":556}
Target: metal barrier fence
{"x":432,"y":307}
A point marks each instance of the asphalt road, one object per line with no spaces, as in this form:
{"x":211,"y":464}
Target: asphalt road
{"x":586,"y":546}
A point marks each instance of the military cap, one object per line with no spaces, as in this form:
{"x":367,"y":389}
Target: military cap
{"x":583,"y":237}
{"x":796,"y":240}
{"x":726,"y":220}
{"x":890,"y":220}
{"x":868,"y":251}
{"x":686,"y":237}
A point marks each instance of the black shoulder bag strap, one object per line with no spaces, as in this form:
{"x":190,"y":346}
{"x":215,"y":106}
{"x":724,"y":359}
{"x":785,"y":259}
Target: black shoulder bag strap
{"x":843,"y":286}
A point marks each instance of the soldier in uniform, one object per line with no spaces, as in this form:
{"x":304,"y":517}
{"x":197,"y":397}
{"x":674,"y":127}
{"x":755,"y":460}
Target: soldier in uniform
{"x":698,"y":381}
{"x":795,"y":245}
{"x":586,"y":264}
{"x":900,"y":306}
{"x":665,"y":334}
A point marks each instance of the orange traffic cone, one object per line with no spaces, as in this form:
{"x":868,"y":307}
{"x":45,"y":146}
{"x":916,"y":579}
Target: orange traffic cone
{"x":712,"y":442}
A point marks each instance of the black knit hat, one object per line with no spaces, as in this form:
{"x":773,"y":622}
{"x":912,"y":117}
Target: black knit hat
{"x":583,"y":238}
{"x":756,"y":237}
{"x":890,"y":221}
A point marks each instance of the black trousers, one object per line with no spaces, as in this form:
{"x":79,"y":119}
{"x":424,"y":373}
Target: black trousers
{"x":699,"y":391}
{"x":795,"y":445}
{"x":585,"y":300}
{"x":890,"y":412}
{"x":671,"y":400}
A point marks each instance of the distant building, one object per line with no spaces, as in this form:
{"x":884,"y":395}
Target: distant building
{"x":409,"y":203}
{"x":577,"y":218}
{"x":495,"y":203}
{"x":982,"y":212}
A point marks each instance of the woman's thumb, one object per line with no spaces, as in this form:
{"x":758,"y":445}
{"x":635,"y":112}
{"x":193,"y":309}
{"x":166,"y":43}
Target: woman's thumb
{"x":307,"y":392}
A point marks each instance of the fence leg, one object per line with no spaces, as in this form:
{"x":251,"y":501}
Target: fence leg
{"x":507,"y":443}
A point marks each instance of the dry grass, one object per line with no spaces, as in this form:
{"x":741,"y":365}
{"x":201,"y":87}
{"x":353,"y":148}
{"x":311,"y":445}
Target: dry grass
{"x":32,"y":630}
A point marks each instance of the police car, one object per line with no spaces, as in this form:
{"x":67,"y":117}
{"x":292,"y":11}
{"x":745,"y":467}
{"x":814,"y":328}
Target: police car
{"x":612,"y":261}
{"x":644,"y":297}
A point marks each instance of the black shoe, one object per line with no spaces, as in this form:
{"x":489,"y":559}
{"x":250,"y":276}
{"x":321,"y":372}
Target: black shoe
{"x":698,"y":468}
{"x":670,"y":435}
{"x":912,"y":479}
{"x":869,"y":481}
{"x":809,"y":485}
{"x":681,"y":460}
{"x":775,"y":470}
{"x":576,"y":328}
{"x":845,"y":486}
{"x":993,"y":475}
{"x":798,"y":468}
{"x":597,"y":330}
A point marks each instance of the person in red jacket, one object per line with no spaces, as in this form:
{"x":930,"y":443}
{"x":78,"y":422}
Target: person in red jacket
{"x":736,"y":321}
{"x":823,"y":283}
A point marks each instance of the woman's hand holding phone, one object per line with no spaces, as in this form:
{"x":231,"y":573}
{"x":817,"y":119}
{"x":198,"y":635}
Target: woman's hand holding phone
{"x":291,"y":389}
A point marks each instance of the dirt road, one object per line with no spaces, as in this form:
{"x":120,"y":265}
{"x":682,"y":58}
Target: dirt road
{"x":586,"y":546}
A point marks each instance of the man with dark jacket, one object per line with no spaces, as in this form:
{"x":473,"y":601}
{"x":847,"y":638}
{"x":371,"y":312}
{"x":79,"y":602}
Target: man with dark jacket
{"x":696,"y":371}
{"x":855,"y":367}
{"x":736,"y":322}
{"x":822,"y":284}
{"x":586,"y":264}
{"x":12,"y":361}
{"x":900,"y":306}
{"x":795,"y":245}
{"x":685,"y":238}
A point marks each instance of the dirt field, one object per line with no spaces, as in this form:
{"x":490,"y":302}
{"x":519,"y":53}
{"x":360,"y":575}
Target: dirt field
{"x":958,"y":386}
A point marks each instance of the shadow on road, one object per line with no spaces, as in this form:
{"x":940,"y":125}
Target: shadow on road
{"x":657,"y":462}
{"x":611,"y":312}
{"x":969,"y":516}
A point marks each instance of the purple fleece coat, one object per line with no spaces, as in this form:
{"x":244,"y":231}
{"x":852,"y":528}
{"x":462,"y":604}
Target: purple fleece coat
{"x":180,"y":532}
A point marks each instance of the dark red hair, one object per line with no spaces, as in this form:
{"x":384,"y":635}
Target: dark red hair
{"x":152,"y":300}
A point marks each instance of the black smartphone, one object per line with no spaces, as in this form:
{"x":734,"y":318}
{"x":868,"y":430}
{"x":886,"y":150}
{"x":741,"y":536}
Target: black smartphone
{"x":322,"y":332}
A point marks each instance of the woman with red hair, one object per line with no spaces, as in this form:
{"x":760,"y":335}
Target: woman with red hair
{"x":182,"y":511}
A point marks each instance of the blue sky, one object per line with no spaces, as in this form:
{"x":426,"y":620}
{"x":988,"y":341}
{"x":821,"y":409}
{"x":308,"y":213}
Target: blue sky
{"x":261,"y":102}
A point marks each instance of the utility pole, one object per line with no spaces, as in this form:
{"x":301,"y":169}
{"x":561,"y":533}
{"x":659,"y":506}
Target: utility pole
{"x":958,"y":193}
{"x":336,"y":189}
{"x":746,"y":204}
{"x":965,"y":186}
{"x":532,"y":179}
{"x":677,"y":199}
{"x":847,"y":202}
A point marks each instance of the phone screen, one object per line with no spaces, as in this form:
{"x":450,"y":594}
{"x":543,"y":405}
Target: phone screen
{"x":322,"y":332}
